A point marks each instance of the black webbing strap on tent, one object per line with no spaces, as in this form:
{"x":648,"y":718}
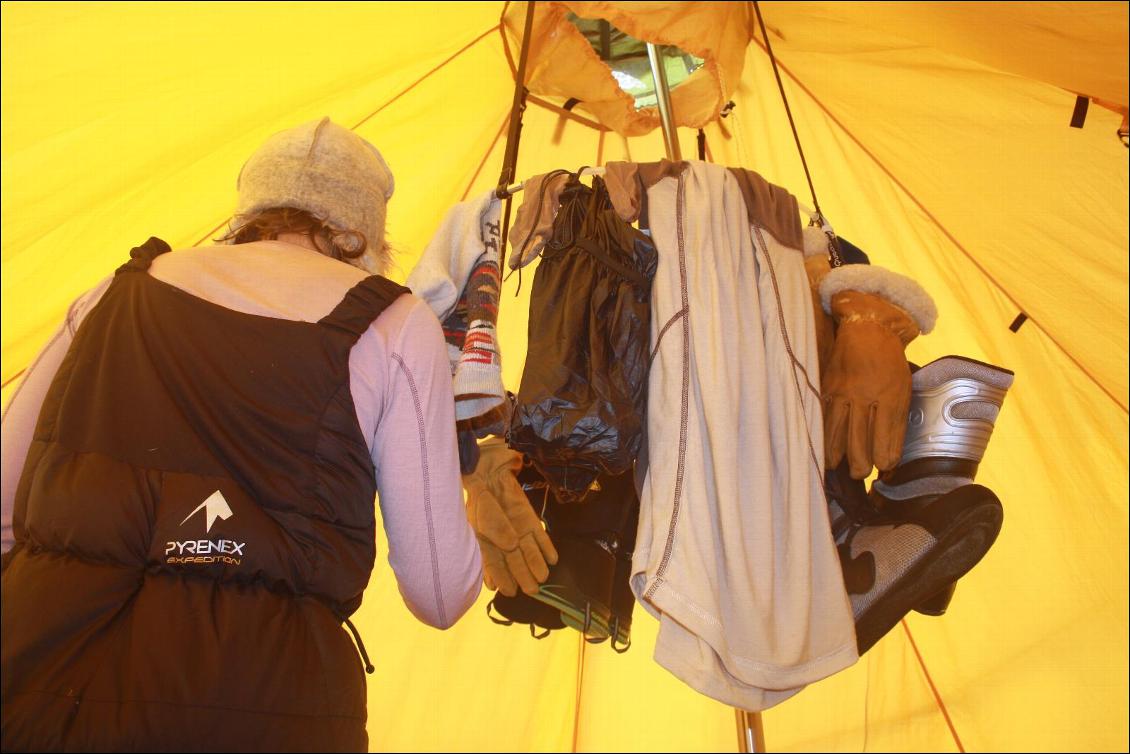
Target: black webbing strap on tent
{"x":510,"y":160}
{"x":1079,"y":114}
{"x":834,"y":256}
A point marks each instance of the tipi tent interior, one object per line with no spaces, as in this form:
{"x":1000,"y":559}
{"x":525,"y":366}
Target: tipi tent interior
{"x":939,"y":139}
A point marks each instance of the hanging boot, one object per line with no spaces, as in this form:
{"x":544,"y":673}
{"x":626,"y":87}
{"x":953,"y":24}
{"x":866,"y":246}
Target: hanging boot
{"x":579,"y":584}
{"x":954,"y":407}
{"x":524,"y":609}
{"x":849,"y":509}
{"x":925,"y":524}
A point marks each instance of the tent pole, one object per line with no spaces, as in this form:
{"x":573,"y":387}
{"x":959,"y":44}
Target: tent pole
{"x":517,"y":108}
{"x":510,"y":159}
{"x":751,"y":734}
{"x":663,"y":100}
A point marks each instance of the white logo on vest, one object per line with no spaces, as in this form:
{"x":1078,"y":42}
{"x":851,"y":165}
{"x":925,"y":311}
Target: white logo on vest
{"x":217,"y":506}
{"x":207,"y":551}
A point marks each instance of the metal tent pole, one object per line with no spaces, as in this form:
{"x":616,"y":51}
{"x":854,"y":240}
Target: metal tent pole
{"x":751,"y":735}
{"x":663,"y":100}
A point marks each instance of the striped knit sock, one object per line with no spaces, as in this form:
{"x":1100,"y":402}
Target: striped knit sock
{"x":478,"y":378}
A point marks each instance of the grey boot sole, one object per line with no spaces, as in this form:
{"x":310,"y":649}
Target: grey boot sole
{"x":961,"y":544}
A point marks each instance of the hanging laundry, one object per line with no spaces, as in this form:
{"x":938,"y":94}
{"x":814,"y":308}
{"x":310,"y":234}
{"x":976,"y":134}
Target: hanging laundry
{"x":772,"y":207}
{"x":734,"y":553}
{"x":458,"y":276}
{"x":628,"y":183}
{"x":580,"y":409}
{"x":533,"y":224}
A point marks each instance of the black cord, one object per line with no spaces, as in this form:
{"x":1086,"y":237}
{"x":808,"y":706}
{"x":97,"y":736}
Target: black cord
{"x":788,"y":110}
{"x":835,"y":257}
{"x":360,"y":646}
{"x":514,"y":136}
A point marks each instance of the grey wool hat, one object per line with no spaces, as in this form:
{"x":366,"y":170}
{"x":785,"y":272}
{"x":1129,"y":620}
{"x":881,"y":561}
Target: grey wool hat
{"x":327,"y":170}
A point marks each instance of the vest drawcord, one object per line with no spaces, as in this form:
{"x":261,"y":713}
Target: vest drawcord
{"x":360,"y":646}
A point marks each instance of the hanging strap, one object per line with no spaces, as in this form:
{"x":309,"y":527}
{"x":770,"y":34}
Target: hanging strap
{"x":510,"y":160}
{"x":360,"y":646}
{"x":514,"y":135}
{"x":362,"y":304}
{"x":834,"y":256}
{"x":602,"y":255}
{"x":141,"y":257}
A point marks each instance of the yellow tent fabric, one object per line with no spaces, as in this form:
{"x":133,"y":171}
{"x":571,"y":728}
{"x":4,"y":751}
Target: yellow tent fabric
{"x":716,"y":32}
{"x":939,"y":141}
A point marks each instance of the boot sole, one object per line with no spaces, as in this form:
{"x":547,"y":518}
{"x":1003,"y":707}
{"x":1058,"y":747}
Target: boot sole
{"x":524,"y":609}
{"x":938,"y":604}
{"x":958,"y":550}
{"x":573,"y":614}
{"x":582,"y":577}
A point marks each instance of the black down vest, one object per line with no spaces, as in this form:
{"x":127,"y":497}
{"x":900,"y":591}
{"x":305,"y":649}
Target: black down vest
{"x":193,"y":524}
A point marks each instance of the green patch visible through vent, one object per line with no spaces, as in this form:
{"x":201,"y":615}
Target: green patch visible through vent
{"x":627,"y":57}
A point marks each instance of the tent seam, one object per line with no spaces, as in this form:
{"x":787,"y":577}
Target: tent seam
{"x":580,"y":683}
{"x":929,"y":680}
{"x":411,"y":86}
{"x":568,"y":114}
{"x":506,"y":42}
{"x":486,"y":156}
{"x":205,"y":237}
{"x":418,"y":81}
{"x":945,"y":231}
{"x":13,"y":378}
{"x":397,"y":96}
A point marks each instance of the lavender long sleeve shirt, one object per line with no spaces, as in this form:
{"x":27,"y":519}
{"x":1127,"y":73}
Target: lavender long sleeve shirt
{"x":401,"y":385}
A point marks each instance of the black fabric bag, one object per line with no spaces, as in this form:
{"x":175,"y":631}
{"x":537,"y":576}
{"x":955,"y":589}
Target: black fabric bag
{"x":582,"y":404}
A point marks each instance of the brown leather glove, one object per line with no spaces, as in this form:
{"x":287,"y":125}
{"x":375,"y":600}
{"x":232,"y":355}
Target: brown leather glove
{"x":516,"y":549}
{"x":866,"y":383}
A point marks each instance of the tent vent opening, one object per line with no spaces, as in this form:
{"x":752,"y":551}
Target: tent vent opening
{"x":626,"y":56}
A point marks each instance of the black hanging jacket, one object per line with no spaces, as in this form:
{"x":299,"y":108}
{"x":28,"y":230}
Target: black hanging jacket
{"x":582,"y":405}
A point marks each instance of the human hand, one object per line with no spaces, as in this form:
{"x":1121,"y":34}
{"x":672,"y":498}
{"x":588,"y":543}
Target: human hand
{"x":517,"y":551}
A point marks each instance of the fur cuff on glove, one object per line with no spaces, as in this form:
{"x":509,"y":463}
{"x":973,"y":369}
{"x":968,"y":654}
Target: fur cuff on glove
{"x":897,"y":289}
{"x":815,"y":242}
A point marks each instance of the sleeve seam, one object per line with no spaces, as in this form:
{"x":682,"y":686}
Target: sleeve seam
{"x":433,"y":551}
